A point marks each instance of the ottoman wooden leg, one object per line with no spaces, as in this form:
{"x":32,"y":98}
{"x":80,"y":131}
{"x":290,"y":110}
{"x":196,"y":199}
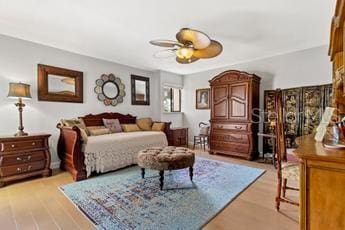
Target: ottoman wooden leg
{"x":191,"y":173}
{"x":142,"y":173}
{"x":161,"y":178}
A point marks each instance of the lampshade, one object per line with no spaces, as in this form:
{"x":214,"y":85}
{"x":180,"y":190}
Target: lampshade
{"x":19,"y":90}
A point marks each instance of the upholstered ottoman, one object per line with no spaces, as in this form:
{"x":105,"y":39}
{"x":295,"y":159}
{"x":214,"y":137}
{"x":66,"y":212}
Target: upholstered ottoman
{"x":166,"y":158}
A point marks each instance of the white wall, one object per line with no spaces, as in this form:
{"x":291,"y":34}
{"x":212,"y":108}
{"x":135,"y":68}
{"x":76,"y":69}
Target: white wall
{"x":18,"y":62}
{"x":302,"y":68}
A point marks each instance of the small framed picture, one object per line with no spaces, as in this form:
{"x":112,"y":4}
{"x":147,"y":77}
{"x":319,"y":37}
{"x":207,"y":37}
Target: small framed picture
{"x":202,"y":99}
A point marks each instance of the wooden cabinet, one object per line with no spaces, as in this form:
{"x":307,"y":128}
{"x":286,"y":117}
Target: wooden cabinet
{"x":178,"y":137}
{"x":22,"y":157}
{"x":322,"y":185}
{"x":336,"y":53}
{"x":234,"y":97}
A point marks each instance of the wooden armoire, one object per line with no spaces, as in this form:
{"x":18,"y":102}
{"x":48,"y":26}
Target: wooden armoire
{"x":235,"y":114}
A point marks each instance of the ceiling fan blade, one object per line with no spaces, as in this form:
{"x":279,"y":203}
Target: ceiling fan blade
{"x":199,"y":39}
{"x":165,"y":53}
{"x":165,"y":43}
{"x":186,"y":61}
{"x":213,"y":50}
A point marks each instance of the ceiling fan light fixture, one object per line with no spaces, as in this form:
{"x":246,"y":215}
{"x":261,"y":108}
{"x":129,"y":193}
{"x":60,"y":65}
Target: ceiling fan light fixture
{"x":185,"y":52}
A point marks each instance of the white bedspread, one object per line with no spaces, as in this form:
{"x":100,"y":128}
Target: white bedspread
{"x":113,"y":151}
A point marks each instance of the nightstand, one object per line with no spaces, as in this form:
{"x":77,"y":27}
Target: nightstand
{"x":178,"y":137}
{"x":23,"y":157}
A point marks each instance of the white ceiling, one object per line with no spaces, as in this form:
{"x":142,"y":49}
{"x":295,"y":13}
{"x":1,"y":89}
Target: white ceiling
{"x":119,"y":31}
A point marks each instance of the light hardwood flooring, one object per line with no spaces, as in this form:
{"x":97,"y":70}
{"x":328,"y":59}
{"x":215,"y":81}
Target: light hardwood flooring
{"x":38,"y":204}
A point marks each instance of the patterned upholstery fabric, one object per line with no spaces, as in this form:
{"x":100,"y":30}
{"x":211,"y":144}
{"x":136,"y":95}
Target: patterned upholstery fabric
{"x":168,"y":158}
{"x":113,"y":125}
{"x":290,"y":171}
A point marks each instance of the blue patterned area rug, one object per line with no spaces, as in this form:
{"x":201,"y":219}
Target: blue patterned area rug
{"x":122,"y":200}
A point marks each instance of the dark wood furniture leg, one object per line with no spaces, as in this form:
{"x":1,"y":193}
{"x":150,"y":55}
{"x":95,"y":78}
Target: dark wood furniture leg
{"x":143,"y":173}
{"x":161,"y":178}
{"x":191,"y":173}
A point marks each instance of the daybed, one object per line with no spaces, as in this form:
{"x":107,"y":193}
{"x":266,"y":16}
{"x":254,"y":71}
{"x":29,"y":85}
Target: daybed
{"x":106,"y":152}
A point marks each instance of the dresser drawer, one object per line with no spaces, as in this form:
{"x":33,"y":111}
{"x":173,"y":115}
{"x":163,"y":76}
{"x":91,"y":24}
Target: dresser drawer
{"x":229,"y":146}
{"x":179,"y":133}
{"x":23,"y":168}
{"x":22,"y":145}
{"x":235,"y":127}
{"x":230,"y":137}
{"x":15,"y":159}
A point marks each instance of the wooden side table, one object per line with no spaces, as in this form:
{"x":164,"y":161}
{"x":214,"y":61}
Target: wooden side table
{"x":178,"y":137}
{"x":23,"y":157}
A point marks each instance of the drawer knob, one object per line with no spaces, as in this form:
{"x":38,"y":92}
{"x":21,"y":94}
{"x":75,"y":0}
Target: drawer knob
{"x":19,"y":159}
{"x":29,"y":167}
{"x":33,"y":143}
{"x":13,"y":146}
{"x":19,"y":169}
{"x":238,"y":127}
{"x":29,"y":157}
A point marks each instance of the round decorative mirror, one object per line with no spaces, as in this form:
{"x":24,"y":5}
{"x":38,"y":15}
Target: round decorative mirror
{"x":110,"y":89}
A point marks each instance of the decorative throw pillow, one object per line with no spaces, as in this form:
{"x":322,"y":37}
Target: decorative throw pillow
{"x":89,"y":128}
{"x":130,"y":128}
{"x":78,"y":123}
{"x":158,"y":126}
{"x":113,"y":125}
{"x":145,"y":123}
{"x":99,"y":131}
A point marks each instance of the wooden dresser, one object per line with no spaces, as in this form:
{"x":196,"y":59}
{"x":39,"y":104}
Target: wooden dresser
{"x":178,"y":137}
{"x":22,"y":157}
{"x":322,"y":185}
{"x":234,"y":97}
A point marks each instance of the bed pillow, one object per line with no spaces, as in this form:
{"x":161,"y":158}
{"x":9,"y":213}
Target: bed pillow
{"x":158,"y":126}
{"x":113,"y":125}
{"x":78,"y":123}
{"x":89,"y":128}
{"x":130,"y":128}
{"x":99,"y":131}
{"x":145,"y":124}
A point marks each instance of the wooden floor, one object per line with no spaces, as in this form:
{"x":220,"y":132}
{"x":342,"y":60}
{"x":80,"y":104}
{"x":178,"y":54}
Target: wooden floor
{"x":38,"y":204}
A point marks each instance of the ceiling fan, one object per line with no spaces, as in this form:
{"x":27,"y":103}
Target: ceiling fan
{"x":191,"y":45}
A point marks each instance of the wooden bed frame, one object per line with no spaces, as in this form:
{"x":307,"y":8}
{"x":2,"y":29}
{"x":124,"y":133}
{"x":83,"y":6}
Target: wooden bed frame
{"x":70,"y":143}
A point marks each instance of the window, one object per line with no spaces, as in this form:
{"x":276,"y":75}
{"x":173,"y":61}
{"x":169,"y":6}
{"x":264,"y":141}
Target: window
{"x":171,"y":99}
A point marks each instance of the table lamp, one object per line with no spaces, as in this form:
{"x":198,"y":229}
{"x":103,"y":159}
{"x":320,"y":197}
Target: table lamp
{"x":19,"y":91}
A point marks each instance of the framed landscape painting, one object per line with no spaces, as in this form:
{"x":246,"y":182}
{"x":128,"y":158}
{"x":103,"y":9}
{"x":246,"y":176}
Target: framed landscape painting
{"x":202,"y":99}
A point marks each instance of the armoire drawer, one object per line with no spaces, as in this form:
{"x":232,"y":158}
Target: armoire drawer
{"x":229,"y":146}
{"x":23,"y":168}
{"x":15,"y":159}
{"x":230,"y":137}
{"x":234,"y":127}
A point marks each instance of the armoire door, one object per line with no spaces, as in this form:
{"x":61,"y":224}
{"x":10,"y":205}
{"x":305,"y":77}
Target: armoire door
{"x":220,"y":102}
{"x":238,"y":101}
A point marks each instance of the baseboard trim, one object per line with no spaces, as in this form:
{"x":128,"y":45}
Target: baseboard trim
{"x":55,"y":165}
